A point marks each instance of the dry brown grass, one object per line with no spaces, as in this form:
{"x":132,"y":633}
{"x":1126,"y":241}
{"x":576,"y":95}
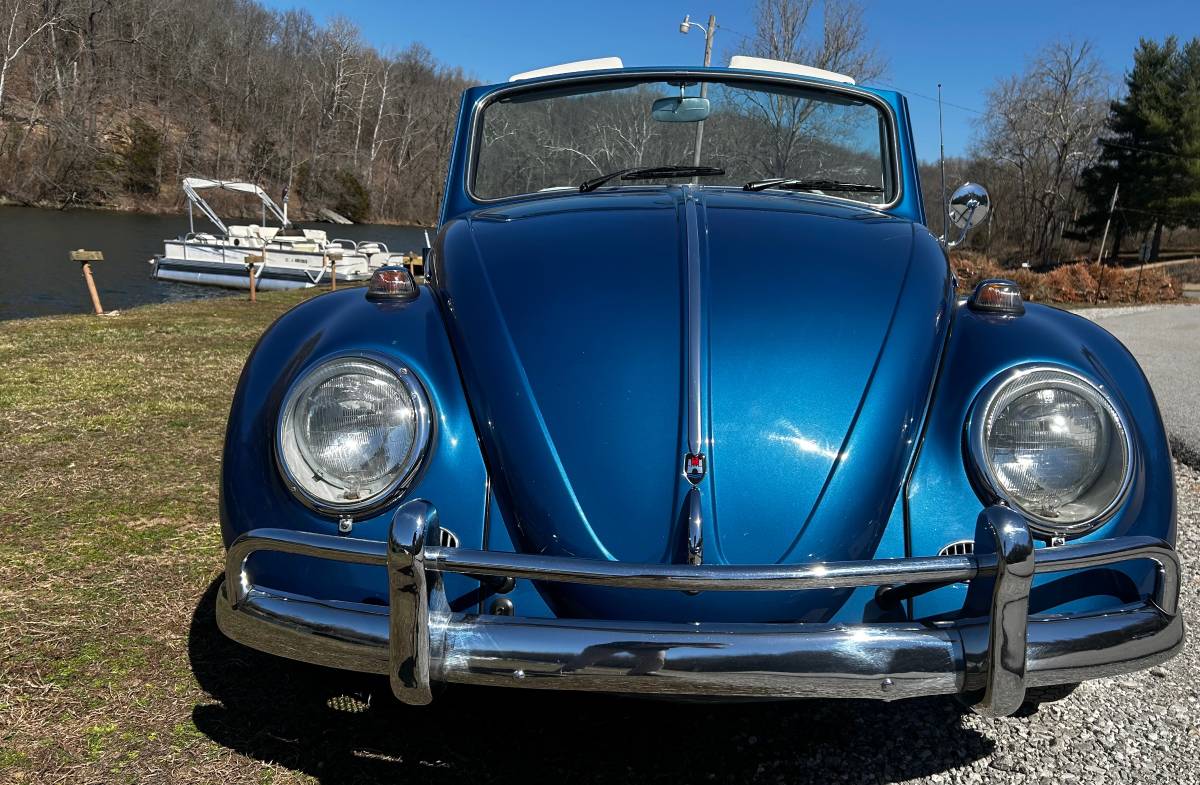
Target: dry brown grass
{"x":1080,"y":283}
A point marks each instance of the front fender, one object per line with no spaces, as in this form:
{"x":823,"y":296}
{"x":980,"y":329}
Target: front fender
{"x":984,"y":345}
{"x":253,"y":494}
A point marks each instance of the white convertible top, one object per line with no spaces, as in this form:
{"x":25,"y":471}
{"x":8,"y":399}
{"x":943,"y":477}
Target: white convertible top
{"x":784,"y":67}
{"x":597,"y":64}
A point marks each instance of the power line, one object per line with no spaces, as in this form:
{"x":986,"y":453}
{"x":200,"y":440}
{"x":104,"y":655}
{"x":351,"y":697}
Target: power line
{"x":929,"y":98}
{"x":1181,"y":217}
{"x":1135,"y":148}
{"x":731,"y":30}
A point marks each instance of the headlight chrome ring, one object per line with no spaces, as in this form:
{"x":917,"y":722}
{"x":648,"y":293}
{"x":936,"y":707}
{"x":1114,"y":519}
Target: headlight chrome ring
{"x":375,"y":411}
{"x":1043,"y":471}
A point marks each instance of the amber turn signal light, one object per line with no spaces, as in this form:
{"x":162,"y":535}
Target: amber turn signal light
{"x":392,"y":284}
{"x":997,"y":295}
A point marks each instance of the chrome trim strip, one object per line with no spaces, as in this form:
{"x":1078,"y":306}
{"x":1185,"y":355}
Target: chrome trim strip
{"x":419,"y":641}
{"x":695,"y":529}
{"x":1006,"y":652}
{"x":694,"y":336}
{"x":709,"y":577}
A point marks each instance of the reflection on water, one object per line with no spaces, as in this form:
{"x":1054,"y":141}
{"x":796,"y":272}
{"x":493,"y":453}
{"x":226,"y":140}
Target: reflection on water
{"x":37,"y":279}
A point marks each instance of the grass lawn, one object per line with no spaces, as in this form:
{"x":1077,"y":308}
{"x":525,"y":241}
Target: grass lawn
{"x":110,"y":443}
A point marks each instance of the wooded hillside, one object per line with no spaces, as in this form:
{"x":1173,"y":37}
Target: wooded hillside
{"x":111,"y":103}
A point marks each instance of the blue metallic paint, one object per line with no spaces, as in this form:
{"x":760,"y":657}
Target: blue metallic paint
{"x":982,"y":346}
{"x":565,"y":404}
{"x":825,"y":330}
{"x":252,"y":492}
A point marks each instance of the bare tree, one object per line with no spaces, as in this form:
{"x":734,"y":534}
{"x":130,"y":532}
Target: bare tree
{"x":22,"y":24}
{"x":781,"y":32}
{"x":1042,"y":126}
{"x":225,"y":88}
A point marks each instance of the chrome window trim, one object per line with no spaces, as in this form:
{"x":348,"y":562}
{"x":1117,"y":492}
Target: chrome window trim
{"x":981,"y":470}
{"x":422,"y":436}
{"x":476,"y":127}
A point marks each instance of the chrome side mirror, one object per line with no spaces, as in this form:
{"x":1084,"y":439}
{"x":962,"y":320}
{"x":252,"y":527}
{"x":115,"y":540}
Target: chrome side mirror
{"x":970,"y":206}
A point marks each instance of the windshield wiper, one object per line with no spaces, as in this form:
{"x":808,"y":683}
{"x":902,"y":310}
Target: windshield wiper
{"x":793,"y":184}
{"x":650,"y":173}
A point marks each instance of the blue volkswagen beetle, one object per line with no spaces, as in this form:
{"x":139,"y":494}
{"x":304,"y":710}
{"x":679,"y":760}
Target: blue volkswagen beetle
{"x":689,"y":404}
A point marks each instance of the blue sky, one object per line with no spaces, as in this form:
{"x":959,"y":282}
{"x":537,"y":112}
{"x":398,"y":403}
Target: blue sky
{"x":967,"y":49}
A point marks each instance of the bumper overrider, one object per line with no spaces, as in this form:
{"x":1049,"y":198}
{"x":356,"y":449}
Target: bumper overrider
{"x":989,"y":662}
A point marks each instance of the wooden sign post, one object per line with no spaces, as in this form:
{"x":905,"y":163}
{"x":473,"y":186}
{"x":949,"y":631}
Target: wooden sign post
{"x":251,"y":260}
{"x":85,"y":259}
{"x":334,"y":256}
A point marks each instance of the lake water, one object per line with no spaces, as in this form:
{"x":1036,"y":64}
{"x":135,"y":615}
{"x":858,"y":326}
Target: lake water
{"x":37,"y":277}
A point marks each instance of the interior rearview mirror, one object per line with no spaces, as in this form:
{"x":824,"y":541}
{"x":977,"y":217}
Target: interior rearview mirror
{"x":682,"y":109}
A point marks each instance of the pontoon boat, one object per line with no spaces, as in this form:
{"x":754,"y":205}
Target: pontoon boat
{"x":291,"y":258}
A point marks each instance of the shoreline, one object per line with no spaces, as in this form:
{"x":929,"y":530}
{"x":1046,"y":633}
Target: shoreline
{"x":7,"y":201}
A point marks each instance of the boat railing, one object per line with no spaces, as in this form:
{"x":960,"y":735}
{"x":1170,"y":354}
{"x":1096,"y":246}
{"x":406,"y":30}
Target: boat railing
{"x":357,"y":246}
{"x":197,"y":237}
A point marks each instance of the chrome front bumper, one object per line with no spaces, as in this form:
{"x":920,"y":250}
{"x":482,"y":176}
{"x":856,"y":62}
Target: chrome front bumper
{"x":989,"y":662}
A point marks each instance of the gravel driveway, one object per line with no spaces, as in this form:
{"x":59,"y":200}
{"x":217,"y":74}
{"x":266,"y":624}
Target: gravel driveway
{"x":1165,"y":339}
{"x":1142,"y":728}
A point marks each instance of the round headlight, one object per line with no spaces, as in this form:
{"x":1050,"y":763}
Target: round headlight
{"x":1052,"y":444}
{"x":351,"y":432}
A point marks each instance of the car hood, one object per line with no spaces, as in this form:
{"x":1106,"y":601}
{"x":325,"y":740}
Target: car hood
{"x":822,"y":328}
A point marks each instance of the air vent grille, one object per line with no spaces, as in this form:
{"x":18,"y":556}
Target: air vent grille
{"x":447,"y":538}
{"x":958,"y":548}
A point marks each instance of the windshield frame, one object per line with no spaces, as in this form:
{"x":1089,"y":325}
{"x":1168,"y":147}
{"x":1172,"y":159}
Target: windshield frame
{"x":890,"y":151}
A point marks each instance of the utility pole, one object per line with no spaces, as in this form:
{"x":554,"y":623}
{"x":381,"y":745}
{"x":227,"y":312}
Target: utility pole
{"x":1104,"y":241}
{"x":684,"y":26}
{"x":942,"y":164}
{"x":1104,"y":238}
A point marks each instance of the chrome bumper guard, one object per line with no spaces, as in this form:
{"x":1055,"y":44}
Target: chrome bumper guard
{"x":988,"y":662}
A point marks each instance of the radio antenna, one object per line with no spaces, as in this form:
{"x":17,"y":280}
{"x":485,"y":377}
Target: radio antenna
{"x":942,"y":164}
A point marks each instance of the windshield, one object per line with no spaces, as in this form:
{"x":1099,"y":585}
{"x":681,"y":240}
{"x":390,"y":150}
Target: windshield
{"x":563,"y":137}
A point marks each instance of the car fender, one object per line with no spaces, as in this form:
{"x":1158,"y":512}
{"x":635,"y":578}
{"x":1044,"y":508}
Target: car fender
{"x":980,"y":347}
{"x":253,"y":494}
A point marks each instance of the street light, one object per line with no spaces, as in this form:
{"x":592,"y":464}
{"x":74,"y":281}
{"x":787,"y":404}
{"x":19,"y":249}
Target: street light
{"x":688,"y":24}
{"x":684,"y":26}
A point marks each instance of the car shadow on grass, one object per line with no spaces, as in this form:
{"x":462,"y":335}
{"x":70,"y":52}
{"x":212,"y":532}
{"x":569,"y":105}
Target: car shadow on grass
{"x":344,"y":727}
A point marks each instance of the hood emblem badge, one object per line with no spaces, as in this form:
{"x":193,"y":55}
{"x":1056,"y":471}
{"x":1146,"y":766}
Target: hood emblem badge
{"x":694,"y":467}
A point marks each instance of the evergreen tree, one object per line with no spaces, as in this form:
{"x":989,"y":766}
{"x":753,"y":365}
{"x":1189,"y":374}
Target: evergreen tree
{"x":1184,"y":201}
{"x":1153,"y":143}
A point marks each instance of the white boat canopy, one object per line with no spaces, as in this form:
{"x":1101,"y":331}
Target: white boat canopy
{"x":193,"y":184}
